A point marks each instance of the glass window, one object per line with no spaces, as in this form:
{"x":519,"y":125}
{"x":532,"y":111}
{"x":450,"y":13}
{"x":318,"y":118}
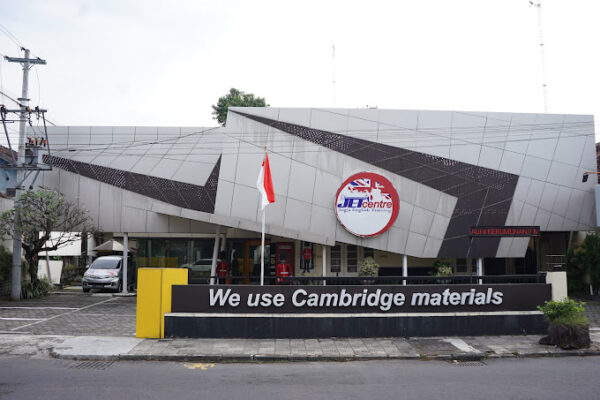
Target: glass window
{"x":351,"y":257}
{"x":106,"y":263}
{"x":368,"y":252}
{"x":461,"y":265}
{"x":336,"y":259}
{"x":178,"y":252}
{"x":142,"y":259}
{"x":202,"y":248}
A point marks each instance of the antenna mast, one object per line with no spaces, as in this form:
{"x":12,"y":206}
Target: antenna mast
{"x":538,"y":5}
{"x":333,"y":75}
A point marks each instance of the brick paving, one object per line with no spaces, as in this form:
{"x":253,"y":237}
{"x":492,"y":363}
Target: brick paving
{"x":592,"y":310}
{"x":70,"y":314}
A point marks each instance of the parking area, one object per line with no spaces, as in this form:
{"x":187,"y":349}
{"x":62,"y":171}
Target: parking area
{"x":73,"y":312}
{"x":70,"y":313}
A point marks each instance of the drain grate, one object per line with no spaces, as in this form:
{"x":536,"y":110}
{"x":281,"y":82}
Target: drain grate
{"x":468,"y":363}
{"x":96,"y":365}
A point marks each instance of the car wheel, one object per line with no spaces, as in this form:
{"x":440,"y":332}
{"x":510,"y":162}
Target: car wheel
{"x":86,"y":290}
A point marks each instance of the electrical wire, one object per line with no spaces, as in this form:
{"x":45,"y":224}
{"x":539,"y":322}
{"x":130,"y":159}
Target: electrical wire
{"x":2,"y":78}
{"x":12,"y":37}
{"x":530,"y":130}
{"x":38,"y":84}
{"x":412,"y":142}
{"x":10,"y":98}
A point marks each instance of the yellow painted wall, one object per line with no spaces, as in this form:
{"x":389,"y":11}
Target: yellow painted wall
{"x":170,"y":277}
{"x":148,"y":318}
{"x":154,"y":298}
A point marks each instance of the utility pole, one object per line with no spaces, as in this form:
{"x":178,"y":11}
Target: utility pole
{"x":27,"y":63}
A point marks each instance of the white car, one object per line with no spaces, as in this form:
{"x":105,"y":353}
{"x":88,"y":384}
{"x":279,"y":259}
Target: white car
{"x":107,"y":273}
{"x":199,"y":270}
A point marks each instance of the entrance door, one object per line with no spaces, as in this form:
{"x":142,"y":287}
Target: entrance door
{"x":251,"y":267}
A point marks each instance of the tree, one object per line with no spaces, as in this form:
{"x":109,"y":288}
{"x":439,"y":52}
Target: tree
{"x":591,"y":259}
{"x":235,"y":98}
{"x":41,"y":213}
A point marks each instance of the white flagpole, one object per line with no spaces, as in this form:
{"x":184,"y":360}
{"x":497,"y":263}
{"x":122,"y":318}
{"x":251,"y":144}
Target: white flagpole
{"x":262,"y":241}
{"x":262,"y":253}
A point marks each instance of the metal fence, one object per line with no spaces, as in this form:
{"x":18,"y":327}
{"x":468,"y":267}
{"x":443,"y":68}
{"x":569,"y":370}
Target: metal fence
{"x":378,"y":280}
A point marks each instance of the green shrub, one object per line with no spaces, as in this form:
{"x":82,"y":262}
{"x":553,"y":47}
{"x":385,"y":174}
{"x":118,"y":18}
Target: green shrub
{"x":591,"y":260}
{"x":368,"y":267}
{"x":5,"y":264}
{"x":583,"y":259}
{"x":442,"y":268}
{"x":564,"y":312}
{"x":40,"y":288}
{"x":576,"y":269}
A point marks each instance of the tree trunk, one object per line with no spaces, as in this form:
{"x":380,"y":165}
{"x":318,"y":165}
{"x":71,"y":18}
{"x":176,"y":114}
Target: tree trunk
{"x":32,"y":261}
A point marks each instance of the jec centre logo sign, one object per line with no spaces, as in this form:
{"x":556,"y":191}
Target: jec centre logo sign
{"x":366,"y":204}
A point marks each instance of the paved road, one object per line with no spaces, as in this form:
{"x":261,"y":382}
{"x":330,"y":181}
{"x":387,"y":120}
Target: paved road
{"x":547,"y":379}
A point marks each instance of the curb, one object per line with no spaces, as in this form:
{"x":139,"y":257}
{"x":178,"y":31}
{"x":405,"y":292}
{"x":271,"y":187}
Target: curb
{"x":260,"y":358}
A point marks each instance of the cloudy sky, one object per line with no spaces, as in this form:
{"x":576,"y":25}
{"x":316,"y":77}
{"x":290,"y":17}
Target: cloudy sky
{"x":150,"y":62}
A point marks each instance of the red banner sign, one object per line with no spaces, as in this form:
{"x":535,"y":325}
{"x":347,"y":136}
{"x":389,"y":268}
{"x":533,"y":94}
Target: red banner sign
{"x":504,"y":231}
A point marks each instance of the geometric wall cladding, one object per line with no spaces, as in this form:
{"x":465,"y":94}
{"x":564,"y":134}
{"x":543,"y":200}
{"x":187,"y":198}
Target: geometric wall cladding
{"x":483,"y":195}
{"x":181,"y":194}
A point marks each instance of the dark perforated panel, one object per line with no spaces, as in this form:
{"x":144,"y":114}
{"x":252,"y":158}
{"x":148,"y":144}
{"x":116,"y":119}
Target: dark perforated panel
{"x":484,"y":195}
{"x":186,"y":195}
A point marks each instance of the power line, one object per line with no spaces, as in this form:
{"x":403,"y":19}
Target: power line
{"x":10,"y":98}
{"x":12,"y":37}
{"x":505,"y":137}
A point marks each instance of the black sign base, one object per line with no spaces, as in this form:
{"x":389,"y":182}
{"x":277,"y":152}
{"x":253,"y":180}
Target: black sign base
{"x":261,"y":326}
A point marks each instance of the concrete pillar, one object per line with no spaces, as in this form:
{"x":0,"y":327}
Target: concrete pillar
{"x":91,"y":243}
{"x":149,"y":251}
{"x":558,"y":280}
{"x":223,"y":241}
{"x":404,"y":267}
{"x":125,"y":254}
{"x":324,"y":264}
{"x":213,"y":268}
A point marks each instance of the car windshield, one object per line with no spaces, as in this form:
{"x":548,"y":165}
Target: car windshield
{"x":105,"y":263}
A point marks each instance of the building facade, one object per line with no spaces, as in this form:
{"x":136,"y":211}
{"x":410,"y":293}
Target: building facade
{"x":172,"y":189}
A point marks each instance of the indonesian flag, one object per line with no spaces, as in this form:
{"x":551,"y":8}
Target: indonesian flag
{"x":265,"y":184}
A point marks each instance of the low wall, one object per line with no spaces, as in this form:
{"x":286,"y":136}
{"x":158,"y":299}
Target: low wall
{"x":288,"y":326}
{"x":243,"y":311}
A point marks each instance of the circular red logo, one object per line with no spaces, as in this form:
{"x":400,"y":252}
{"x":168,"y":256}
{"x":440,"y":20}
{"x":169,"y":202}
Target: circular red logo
{"x":366,"y":204}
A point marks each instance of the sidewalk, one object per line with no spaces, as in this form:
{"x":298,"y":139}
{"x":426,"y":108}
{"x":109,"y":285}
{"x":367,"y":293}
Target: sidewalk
{"x":102,"y":327}
{"x":108,"y":348}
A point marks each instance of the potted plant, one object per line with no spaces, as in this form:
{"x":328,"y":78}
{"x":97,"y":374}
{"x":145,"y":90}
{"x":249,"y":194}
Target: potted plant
{"x":442,"y":269}
{"x":367,"y":267}
{"x":568,"y":327}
